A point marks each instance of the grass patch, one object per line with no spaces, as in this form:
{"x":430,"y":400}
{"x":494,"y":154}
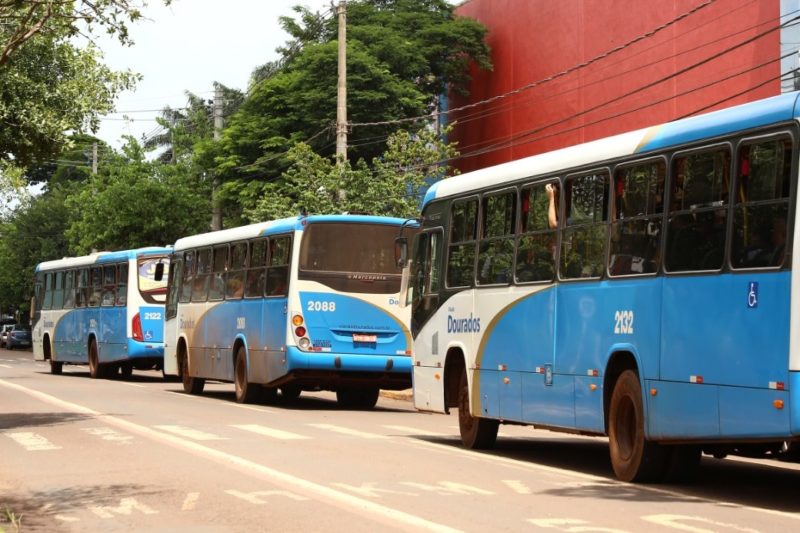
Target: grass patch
{"x":9,"y":517}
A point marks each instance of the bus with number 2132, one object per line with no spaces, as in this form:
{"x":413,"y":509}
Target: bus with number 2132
{"x":639,"y":286}
{"x":303,"y":303}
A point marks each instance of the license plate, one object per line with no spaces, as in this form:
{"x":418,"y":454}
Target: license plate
{"x":358,"y":337}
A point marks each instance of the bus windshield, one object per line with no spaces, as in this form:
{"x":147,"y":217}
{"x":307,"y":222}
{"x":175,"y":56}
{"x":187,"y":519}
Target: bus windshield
{"x":351,"y":257}
{"x":153,"y":290}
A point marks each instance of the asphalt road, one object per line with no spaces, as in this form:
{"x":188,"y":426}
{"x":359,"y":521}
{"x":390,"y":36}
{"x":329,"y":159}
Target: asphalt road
{"x":78,"y":454}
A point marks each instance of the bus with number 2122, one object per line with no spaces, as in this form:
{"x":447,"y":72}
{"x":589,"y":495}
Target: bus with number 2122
{"x":303,"y":303}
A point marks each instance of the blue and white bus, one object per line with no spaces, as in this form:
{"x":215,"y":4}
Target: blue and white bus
{"x":303,"y":303}
{"x":105,"y":310}
{"x":654,"y":303}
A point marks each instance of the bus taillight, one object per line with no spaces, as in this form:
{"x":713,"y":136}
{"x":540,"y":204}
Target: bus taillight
{"x":136,"y":325}
{"x":297,"y":320}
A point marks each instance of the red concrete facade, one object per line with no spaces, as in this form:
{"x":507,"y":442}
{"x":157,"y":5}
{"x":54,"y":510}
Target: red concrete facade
{"x":641,"y":85}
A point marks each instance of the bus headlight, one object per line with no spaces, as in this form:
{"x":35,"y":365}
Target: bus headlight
{"x":304,"y":343}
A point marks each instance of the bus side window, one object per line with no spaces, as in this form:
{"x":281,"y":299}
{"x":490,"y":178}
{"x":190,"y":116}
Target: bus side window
{"x":698,"y":211}
{"x":48,"y":291}
{"x":203,"y":277}
{"x":234,"y":279}
{"x":82,"y":282}
{"x":761,"y":212}
{"x":257,"y":271}
{"x":536,"y":246}
{"x":188,"y":276}
{"x":69,"y":289}
{"x":496,"y":249}
{"x":278,"y":271}
{"x":217,"y":289}
{"x":461,"y":249}
{"x":96,"y":284}
{"x":636,"y":229}
{"x":174,"y":285}
{"x":58,"y":290}
{"x":122,"y":285}
{"x":109,"y":286}
{"x":584,"y":234}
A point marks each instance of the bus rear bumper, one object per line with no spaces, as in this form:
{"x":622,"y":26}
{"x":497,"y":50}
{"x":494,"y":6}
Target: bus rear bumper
{"x":143,"y":350}
{"x":330,"y":369}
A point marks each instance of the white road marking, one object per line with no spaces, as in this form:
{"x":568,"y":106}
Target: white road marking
{"x":358,"y":506}
{"x":517,"y":486}
{"x":347,"y":431}
{"x":448,"y":488}
{"x":6,"y":366}
{"x":415,"y":431}
{"x":269,"y":432}
{"x":573,"y":525}
{"x":370,"y":490}
{"x":190,"y":502}
{"x":126,"y":507}
{"x":109,"y":435}
{"x":258,"y":497}
{"x":32,"y":442}
{"x":190,"y":433}
{"x":129,"y":384}
{"x":65,"y":518}
{"x":674,"y":521}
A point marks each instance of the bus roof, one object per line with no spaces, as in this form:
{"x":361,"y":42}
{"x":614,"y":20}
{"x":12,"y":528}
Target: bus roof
{"x":273,"y":227}
{"x":100,"y":258}
{"x":707,"y":126}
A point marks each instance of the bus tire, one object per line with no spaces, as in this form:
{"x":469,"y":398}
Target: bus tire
{"x":56,"y":367}
{"x":95,"y":370}
{"x":357,"y":397}
{"x":290,"y":392}
{"x":476,"y":433}
{"x":245,"y":391}
{"x":190,"y":385}
{"x":633,"y":457}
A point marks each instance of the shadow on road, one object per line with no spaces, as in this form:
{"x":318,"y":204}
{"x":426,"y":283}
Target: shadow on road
{"x":28,"y":420}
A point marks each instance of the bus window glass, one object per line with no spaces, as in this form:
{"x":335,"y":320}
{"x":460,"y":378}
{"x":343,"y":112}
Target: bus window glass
{"x":109,"y":285}
{"x":278,"y":271}
{"x":217,"y":289}
{"x":256,"y":274}
{"x":461,"y":251}
{"x":235,"y":278}
{"x":69,"y":289}
{"x":583,"y":239}
{"x":122,"y":285}
{"x":96,"y":286}
{"x":58,"y":290}
{"x":188,"y":276}
{"x":536,"y":247}
{"x":636,"y":227}
{"x":496,"y":250}
{"x":82,"y":294}
{"x":174,"y":286}
{"x":698,"y":211}
{"x":152,"y":290}
{"x":48,"y":291}
{"x":202,"y":276}
{"x":761,"y":212}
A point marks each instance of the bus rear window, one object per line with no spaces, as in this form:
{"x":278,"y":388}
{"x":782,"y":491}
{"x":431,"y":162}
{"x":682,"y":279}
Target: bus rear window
{"x":153,"y":290}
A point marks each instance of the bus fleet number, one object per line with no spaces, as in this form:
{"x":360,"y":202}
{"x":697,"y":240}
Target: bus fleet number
{"x":152,"y":316}
{"x":623,"y":323}
{"x":315,"y":305}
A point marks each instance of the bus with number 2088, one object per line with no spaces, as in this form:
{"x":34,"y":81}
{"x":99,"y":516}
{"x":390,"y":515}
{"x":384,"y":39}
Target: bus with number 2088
{"x":302,"y":303}
{"x":638,"y":286}
{"x":105,"y":310}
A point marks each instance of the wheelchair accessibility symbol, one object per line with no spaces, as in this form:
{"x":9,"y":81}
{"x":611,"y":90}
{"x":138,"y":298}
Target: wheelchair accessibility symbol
{"x":752,"y":295}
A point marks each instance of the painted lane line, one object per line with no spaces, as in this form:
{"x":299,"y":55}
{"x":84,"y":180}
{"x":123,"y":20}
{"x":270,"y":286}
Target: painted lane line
{"x":517,"y":486}
{"x":411,"y":431}
{"x":359,"y":506}
{"x":676,"y":521}
{"x":258,"y":497}
{"x":32,"y":442}
{"x":6,"y":366}
{"x":137,"y":385}
{"x":109,"y":435}
{"x":347,"y":431}
{"x":189,"y":433}
{"x":191,"y":501}
{"x":269,"y":432}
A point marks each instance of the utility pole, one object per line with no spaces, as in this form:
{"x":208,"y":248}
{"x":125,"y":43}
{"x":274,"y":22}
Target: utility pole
{"x":341,"y":92}
{"x":94,"y":158}
{"x":216,"y":208}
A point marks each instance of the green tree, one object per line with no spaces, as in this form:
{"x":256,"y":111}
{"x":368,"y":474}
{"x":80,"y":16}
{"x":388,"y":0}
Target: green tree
{"x":391,"y":186}
{"x":133,"y":202}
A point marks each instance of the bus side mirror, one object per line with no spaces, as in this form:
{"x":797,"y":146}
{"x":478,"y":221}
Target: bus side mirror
{"x":159,"y":275}
{"x":401,"y":251}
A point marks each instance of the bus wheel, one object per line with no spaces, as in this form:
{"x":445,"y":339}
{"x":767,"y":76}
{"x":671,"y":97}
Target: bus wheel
{"x":126,"y":369}
{"x":190,"y":385}
{"x":632,"y":456}
{"x":476,"y":433}
{"x":95,"y":370}
{"x":245,"y":392}
{"x":358,"y":397}
{"x":56,"y":367}
{"x":290,"y":392}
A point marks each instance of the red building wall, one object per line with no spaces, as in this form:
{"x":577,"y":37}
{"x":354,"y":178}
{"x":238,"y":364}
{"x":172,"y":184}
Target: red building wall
{"x":532,"y":40}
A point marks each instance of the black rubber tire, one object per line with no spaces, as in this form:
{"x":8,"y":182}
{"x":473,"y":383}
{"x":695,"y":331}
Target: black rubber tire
{"x":363,"y":398}
{"x":633,"y":458}
{"x":96,"y":371}
{"x":190,"y":385}
{"x":56,"y":367}
{"x":126,"y":370}
{"x":245,"y":391}
{"x":476,"y":433}
{"x":290,"y":392}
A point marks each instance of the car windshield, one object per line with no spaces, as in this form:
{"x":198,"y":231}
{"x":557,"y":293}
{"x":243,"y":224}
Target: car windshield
{"x":22,"y":328}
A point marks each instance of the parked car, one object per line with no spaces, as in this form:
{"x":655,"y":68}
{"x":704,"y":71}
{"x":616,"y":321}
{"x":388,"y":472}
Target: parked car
{"x":18,"y":336}
{"x":4,"y":333}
